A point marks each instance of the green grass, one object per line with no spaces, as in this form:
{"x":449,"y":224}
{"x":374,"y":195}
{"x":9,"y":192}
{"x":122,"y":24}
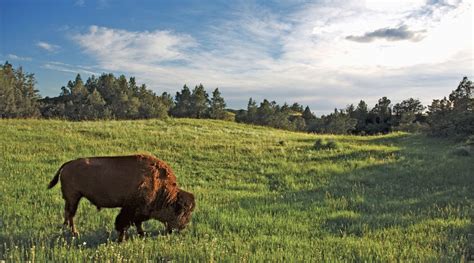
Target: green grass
{"x":262,"y":194}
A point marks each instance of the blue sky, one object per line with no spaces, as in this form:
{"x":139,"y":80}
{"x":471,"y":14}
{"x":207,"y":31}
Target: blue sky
{"x":324,"y":54}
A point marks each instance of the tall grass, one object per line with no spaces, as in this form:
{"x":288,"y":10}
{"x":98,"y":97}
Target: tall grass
{"x":398,"y":197}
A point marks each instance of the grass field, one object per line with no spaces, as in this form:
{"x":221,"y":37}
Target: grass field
{"x":262,"y":194}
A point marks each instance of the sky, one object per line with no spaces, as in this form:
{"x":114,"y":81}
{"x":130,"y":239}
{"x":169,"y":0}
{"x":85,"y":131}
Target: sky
{"x":324,"y":54}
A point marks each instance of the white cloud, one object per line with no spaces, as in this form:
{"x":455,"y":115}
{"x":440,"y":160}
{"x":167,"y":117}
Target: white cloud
{"x":304,"y":55}
{"x":47,"y":46}
{"x":117,"y":49}
{"x":15,"y":57}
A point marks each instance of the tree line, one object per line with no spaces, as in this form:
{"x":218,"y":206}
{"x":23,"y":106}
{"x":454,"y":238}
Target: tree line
{"x":110,"y":97}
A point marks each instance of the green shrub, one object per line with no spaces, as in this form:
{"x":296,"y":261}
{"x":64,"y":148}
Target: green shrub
{"x":470,"y":140}
{"x":462,"y":150}
{"x":321,"y":144}
{"x":332,"y":144}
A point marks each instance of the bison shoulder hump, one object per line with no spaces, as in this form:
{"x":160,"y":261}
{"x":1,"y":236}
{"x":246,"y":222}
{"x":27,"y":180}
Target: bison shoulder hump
{"x":158,"y":167}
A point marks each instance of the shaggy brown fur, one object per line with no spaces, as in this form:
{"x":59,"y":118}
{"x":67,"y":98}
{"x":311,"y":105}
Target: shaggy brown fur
{"x":142,"y":185}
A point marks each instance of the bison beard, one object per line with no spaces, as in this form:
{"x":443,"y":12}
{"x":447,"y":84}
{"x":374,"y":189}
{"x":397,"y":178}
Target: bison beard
{"x":142,"y":185}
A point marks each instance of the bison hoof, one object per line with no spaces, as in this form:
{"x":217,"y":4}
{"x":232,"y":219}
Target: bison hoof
{"x":121,"y":237}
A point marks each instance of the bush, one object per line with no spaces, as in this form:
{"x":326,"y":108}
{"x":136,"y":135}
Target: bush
{"x":462,"y":150}
{"x":415,"y":127}
{"x":331,"y":144}
{"x":321,"y":144}
{"x":470,"y":141}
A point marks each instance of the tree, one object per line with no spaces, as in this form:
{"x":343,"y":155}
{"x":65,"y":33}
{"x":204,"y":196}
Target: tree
{"x":461,"y":97}
{"x":338,"y":122}
{"x":264,"y":112}
{"x":7,"y":92}
{"x":299,"y":124}
{"x":439,"y":113}
{"x":167,"y":102}
{"x":76,"y":100}
{"x":95,"y":107}
{"x":296,"y":107}
{"x":251,"y":111}
{"x":307,"y":115}
{"x":199,"y":102}
{"x":453,"y":116}
{"x":182,"y":107}
{"x":462,"y":114}
{"x":361,"y":114}
{"x":18,"y":96}
{"x":217,"y":108}
{"x":380,"y":117}
{"x":407,"y":111}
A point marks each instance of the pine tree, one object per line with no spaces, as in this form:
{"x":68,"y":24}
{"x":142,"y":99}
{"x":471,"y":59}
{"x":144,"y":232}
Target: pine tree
{"x":407,"y":112}
{"x":182,"y":107}
{"x":251,"y":111}
{"x":7,"y":92}
{"x":217,"y":108}
{"x":361,"y":114}
{"x":380,"y":117}
{"x":76,"y":102}
{"x":199,"y":102}
{"x":307,"y":115}
{"x":461,"y":97}
{"x":296,"y":107}
{"x":18,"y":96}
{"x":95,"y":108}
{"x":265,"y":112}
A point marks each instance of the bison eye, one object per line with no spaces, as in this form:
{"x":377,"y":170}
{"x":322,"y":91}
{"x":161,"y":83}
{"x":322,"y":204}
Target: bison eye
{"x":174,"y":184}
{"x":177,"y":208}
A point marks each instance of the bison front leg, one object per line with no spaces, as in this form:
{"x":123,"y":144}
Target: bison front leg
{"x":138,"y":225}
{"x":138,"y":220}
{"x":123,"y":222}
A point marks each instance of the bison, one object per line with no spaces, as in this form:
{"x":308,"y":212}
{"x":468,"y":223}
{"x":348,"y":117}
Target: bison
{"x":142,"y":185}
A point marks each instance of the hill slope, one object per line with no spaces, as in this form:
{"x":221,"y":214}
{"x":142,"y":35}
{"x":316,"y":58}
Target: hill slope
{"x":262,"y":194}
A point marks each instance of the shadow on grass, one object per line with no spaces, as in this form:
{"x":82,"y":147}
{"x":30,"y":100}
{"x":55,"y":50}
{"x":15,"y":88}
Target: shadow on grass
{"x":418,"y":187}
{"x":87,"y":239}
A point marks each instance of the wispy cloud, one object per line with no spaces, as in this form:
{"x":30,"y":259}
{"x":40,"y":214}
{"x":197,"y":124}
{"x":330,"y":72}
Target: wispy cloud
{"x":47,"y":46}
{"x":15,"y":57}
{"x":80,"y":3}
{"x":68,"y":68}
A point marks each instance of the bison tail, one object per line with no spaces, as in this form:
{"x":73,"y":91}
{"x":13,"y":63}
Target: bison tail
{"x":55,"y":179}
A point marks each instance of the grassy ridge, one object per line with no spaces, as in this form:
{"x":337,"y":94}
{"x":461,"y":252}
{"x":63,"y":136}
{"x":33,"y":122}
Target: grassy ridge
{"x":262,"y":194}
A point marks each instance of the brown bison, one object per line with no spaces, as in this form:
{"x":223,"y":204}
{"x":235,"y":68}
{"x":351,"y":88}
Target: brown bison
{"x":142,"y":185}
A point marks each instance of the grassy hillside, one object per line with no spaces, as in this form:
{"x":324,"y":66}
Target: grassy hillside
{"x":262,"y":194}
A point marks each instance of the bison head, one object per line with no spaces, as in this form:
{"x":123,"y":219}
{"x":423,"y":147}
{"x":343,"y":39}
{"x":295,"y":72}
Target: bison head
{"x":178,"y":214}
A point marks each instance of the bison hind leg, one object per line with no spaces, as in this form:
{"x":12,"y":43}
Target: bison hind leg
{"x":70,"y":209}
